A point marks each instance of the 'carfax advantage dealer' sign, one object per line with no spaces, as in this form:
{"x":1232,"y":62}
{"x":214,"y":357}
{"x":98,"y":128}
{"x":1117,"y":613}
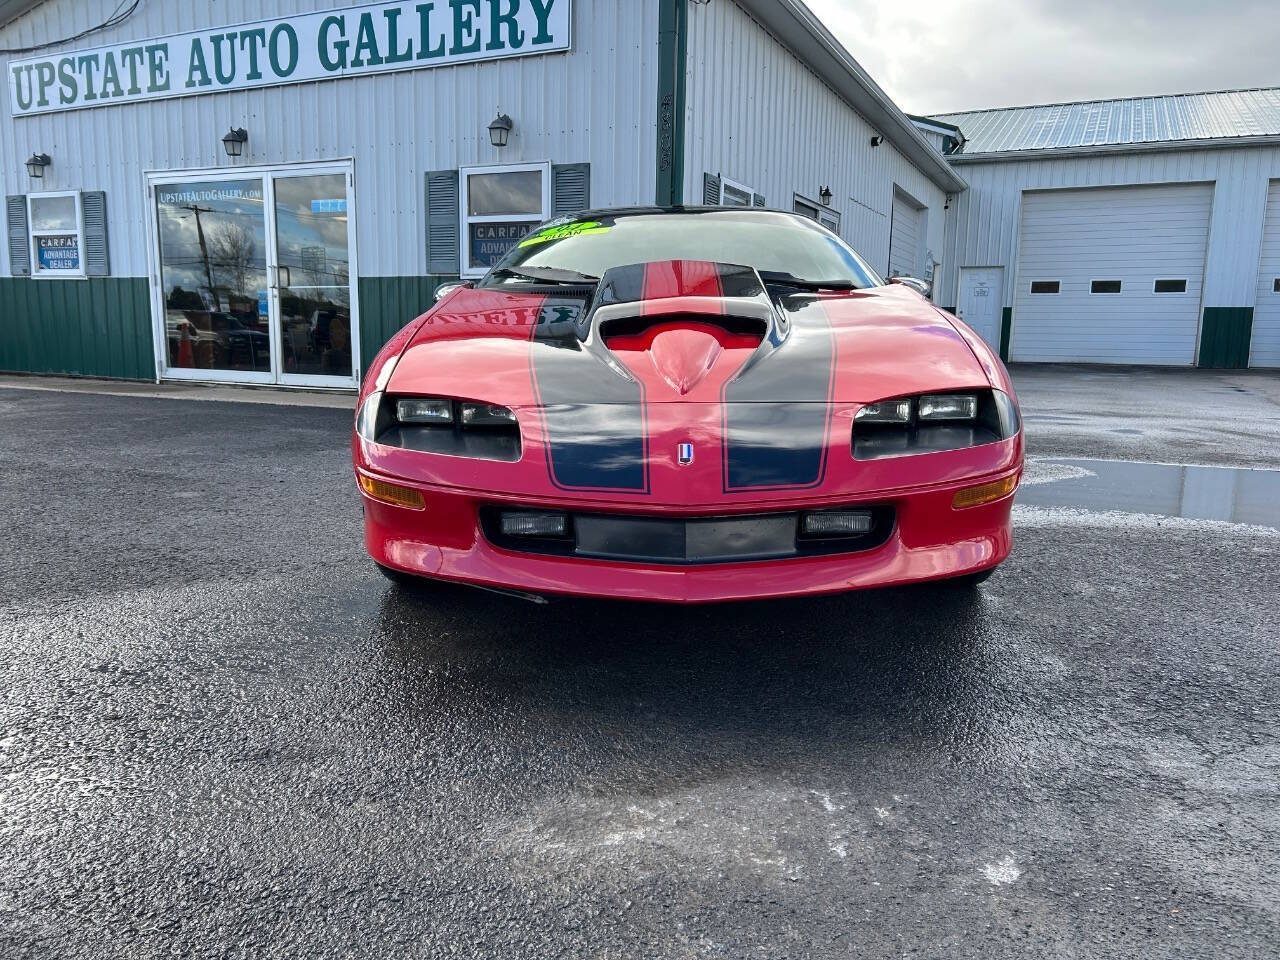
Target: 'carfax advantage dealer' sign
{"x":373,"y":38}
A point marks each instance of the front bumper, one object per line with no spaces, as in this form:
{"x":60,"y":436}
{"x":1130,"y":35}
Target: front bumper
{"x":930,"y":540}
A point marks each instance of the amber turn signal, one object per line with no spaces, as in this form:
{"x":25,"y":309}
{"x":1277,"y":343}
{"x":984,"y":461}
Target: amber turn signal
{"x":986,"y":493}
{"x":392,"y":493}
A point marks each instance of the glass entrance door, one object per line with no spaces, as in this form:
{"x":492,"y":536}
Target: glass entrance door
{"x":313,"y":278}
{"x":253,"y":276}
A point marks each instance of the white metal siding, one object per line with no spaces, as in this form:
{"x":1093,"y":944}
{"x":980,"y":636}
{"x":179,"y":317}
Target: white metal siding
{"x":758,"y":115}
{"x":1134,"y":235}
{"x":904,"y":238}
{"x":1264,"y":347}
{"x":596,"y":103}
{"x":982,"y":227}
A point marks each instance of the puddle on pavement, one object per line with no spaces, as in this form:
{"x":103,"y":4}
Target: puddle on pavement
{"x":1198,"y":493}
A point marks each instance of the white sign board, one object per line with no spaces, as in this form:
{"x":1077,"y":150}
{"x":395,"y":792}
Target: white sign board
{"x":373,"y":38}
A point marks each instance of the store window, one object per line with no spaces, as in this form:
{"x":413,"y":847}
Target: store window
{"x":213,"y":274}
{"x":500,"y":207}
{"x":718,"y":191}
{"x":57,"y":235}
{"x":815,"y":211}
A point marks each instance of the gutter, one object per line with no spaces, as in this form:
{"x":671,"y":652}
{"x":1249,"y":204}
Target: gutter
{"x":1112,"y":149}
{"x":804,"y":35}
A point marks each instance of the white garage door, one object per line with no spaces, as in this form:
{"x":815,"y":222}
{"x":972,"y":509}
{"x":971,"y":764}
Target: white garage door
{"x":1111,"y":275}
{"x":905,"y":233}
{"x":1264,"y":347}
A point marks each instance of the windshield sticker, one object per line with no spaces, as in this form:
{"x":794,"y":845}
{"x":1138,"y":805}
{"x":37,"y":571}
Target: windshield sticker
{"x":550,"y":234}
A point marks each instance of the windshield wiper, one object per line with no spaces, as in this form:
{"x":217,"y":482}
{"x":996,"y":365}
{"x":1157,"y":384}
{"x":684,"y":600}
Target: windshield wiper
{"x":800,"y":283}
{"x":551,"y":275}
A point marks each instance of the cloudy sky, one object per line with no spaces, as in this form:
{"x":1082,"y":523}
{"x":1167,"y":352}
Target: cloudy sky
{"x":934,"y":56}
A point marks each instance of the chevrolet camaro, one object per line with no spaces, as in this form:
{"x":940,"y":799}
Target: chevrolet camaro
{"x":686,"y":405}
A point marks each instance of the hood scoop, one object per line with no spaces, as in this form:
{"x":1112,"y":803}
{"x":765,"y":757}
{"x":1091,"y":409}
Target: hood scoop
{"x":684,"y":355}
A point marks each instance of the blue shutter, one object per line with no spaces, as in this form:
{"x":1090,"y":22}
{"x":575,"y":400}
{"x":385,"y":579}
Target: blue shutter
{"x":97,"y":260}
{"x":710,"y":190}
{"x":757,"y":200}
{"x":570,"y":188}
{"x":19,"y":240}
{"x":444,"y":224}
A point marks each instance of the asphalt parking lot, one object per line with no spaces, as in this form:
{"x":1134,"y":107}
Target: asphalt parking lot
{"x":222,"y":733}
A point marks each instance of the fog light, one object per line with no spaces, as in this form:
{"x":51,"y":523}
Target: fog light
{"x":392,"y":493}
{"x":837,"y":523}
{"x":949,"y":407}
{"x":529,"y":524}
{"x":425,"y":411}
{"x":986,"y":493}
{"x":886,"y":411}
{"x":486,"y":415}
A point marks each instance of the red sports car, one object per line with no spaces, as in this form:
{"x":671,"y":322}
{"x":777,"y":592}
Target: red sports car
{"x":686,"y":405}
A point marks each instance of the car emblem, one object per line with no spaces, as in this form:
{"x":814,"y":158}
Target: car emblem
{"x":684,"y":454}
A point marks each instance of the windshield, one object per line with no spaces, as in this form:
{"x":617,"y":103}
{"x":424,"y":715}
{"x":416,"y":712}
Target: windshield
{"x":780,"y":246}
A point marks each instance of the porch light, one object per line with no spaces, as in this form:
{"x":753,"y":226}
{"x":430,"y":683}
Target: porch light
{"x":825,"y":196}
{"x":36,"y":165}
{"x":500,"y":130}
{"x":234,"y":141}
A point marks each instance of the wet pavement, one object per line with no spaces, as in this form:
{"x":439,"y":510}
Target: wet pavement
{"x":222,"y":734}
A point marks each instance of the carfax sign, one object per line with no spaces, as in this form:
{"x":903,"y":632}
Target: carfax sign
{"x":58,"y":252}
{"x":373,"y":38}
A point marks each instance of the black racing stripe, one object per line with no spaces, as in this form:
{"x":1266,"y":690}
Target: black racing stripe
{"x":622,"y":285}
{"x":594,"y":416}
{"x":777,"y":412}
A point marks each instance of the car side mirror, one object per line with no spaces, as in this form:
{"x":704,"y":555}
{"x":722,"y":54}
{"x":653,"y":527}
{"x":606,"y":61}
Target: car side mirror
{"x":922,"y":287}
{"x":445,"y":289}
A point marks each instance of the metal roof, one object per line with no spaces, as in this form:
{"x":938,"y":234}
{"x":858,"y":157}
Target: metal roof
{"x":1136,"y":122}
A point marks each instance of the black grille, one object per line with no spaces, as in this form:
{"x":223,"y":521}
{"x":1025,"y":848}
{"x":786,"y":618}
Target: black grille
{"x":689,"y":541}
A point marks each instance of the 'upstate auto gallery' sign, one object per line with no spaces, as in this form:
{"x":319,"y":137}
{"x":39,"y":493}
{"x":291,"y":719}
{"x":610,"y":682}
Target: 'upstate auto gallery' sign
{"x":373,"y":38}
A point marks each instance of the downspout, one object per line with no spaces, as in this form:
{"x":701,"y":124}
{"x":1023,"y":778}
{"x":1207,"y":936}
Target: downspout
{"x":673,"y":57}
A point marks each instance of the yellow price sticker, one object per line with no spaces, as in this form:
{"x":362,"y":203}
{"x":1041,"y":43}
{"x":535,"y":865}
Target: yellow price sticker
{"x":564,"y":232}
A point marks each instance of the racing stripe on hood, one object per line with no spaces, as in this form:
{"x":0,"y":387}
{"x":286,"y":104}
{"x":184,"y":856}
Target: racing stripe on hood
{"x":770,"y":445}
{"x":599,"y":443}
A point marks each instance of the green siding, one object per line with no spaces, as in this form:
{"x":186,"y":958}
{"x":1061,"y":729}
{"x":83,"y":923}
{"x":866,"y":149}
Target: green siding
{"x":1006,"y":328}
{"x":387,"y":304}
{"x":100,"y":327}
{"x":1224,"y":337}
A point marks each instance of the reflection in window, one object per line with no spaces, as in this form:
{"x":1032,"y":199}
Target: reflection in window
{"x":213,"y":274}
{"x":315,"y":274}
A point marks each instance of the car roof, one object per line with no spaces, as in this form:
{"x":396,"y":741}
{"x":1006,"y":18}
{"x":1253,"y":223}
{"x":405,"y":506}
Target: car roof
{"x":678,"y":210}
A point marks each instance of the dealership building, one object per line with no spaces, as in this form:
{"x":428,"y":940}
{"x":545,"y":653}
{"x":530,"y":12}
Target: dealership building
{"x":194,"y":193}
{"x":1142,"y":231}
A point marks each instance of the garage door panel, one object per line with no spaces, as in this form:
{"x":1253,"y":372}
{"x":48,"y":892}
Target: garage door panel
{"x":1264,"y":346}
{"x":905,"y":233}
{"x":1135,"y":235}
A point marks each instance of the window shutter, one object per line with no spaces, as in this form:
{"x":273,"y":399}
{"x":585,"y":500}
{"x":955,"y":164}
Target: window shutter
{"x":710,"y":190}
{"x":444,"y":220}
{"x":97,"y":261}
{"x":19,"y":241}
{"x":758,"y":200}
{"x":570,"y":188}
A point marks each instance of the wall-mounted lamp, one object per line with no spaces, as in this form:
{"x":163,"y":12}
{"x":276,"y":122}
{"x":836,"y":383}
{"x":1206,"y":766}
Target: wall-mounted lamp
{"x":500,"y":130}
{"x":234,"y":141}
{"x":36,"y":165}
{"x":877,"y":140}
{"x":825,"y":196}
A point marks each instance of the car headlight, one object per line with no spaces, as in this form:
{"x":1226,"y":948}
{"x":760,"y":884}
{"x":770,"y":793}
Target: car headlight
{"x":444,"y":425}
{"x":932,"y":423}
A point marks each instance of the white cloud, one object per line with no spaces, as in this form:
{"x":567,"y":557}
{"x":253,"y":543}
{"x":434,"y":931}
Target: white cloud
{"x":934,"y":56}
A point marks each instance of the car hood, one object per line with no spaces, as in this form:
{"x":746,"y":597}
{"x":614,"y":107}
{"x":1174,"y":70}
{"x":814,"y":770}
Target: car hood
{"x":554,"y":345}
